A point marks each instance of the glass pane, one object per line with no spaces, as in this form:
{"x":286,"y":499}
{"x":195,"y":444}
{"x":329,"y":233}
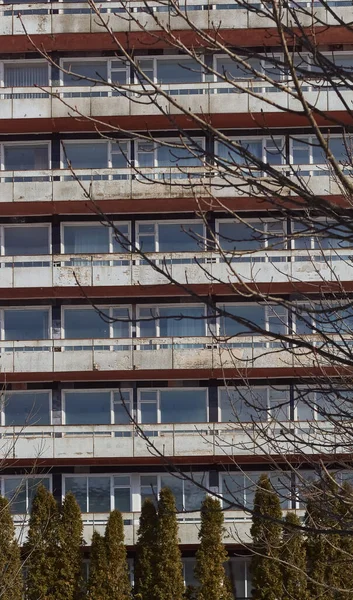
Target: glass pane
{"x":147,"y":322}
{"x":83,"y":323}
{"x":341,"y":148}
{"x":193,"y":495}
{"x":122,"y":410}
{"x":87,"y":408}
{"x":178,"y":71}
{"x":234,"y":154}
{"x":78,"y":486}
{"x":121,"y":324}
{"x":185,"y":237}
{"x":254,"y":314}
{"x":26,"y":408}
{"x":189,"y":576}
{"x":88,"y":155}
{"x":15,"y":492}
{"x":148,"y":411}
{"x":97,"y":70}
{"x":237,"y":237}
{"x":178,"y":157}
{"x":23,"y":75}
{"x":243,"y":405}
{"x":183,"y":406}
{"x":26,"y":324}
{"x":180,"y":321}
{"x":99,"y":494}
{"x":235,"y":70}
{"x":87,"y":239}
{"x":26,"y":241}
{"x":176,"y":486}
{"x":121,"y":238}
{"x":32,"y":486}
{"x":149,"y":487}
{"x":122,"y":499}
{"x":26,"y":157}
{"x":233,"y":491}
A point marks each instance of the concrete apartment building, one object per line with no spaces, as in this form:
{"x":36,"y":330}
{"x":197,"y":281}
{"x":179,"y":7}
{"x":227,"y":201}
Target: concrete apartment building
{"x":66,"y":372}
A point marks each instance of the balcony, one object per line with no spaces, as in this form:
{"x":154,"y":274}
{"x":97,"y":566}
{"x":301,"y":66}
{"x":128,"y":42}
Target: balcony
{"x":76,"y":17}
{"x":198,"y":98}
{"x":145,"y":354}
{"x":98,"y":270}
{"x":84,"y":442}
{"x":59,"y":185}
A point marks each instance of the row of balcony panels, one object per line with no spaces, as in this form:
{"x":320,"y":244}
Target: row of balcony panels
{"x":77,"y":17}
{"x":184,"y":268}
{"x":59,"y":442}
{"x":51,"y":356}
{"x":110,"y":184}
{"x":198,"y":98}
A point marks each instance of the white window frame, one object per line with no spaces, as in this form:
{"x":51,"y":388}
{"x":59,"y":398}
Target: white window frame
{"x":91,"y":59}
{"x":112,"y":392}
{"x":156,"y":307}
{"x":108,"y":309}
{"x":249,"y":478}
{"x":24,"y":479}
{"x":110,"y":151}
{"x":201,"y":141}
{"x":155,"y":234}
{"x":83,"y":224}
{"x":23,"y":225}
{"x":135,"y":497}
{"x":165,"y":57}
{"x":270,"y":405}
{"x":262,"y":221}
{"x":24,"y":63}
{"x":4,"y":398}
{"x":267,"y":313}
{"x":24,"y":143}
{"x":278,"y":140}
{"x":158,"y":391}
{"x":24,"y":308}
{"x":159,"y":484}
{"x":263,"y":63}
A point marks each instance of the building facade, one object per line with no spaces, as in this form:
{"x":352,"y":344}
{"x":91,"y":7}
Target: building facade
{"x":108,"y":264}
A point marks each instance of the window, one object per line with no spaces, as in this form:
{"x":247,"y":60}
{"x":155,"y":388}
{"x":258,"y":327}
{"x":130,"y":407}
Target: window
{"x":96,"y":407}
{"x":322,"y":236}
{"x":171,"y":155}
{"x":173,"y":406}
{"x":323,"y":405}
{"x":94,"y":238}
{"x":269,"y":318}
{"x":92,"y":493}
{"x":188,"y":496}
{"x":235,"y":70}
{"x":25,"y":240}
{"x":88,"y":323}
{"x":26,"y":74}
{"x":248,"y":151}
{"x":308,"y":151}
{"x":95,"y":154}
{"x":332,"y":319}
{"x":122,"y":493}
{"x":238,"y":488}
{"x":171,"y":69}
{"x":26,"y":324}
{"x":26,"y":408}
{"x":172,"y":321}
{"x":24,"y":157}
{"x":236,"y":236}
{"x":186,"y":236}
{"x":99,"y":70}
{"x":239,"y":573}
{"x":20,"y":491}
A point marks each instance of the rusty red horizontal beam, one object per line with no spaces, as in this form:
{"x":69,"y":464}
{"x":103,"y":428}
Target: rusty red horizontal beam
{"x":151,"y":205}
{"x":140,"y":40}
{"x":161,"y":122}
{"x":178,"y":374}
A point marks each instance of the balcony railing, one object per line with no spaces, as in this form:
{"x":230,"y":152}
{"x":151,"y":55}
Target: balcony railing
{"x":62,"y":270}
{"x":41,"y":356}
{"x":56,"y":102}
{"x":53,"y":442}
